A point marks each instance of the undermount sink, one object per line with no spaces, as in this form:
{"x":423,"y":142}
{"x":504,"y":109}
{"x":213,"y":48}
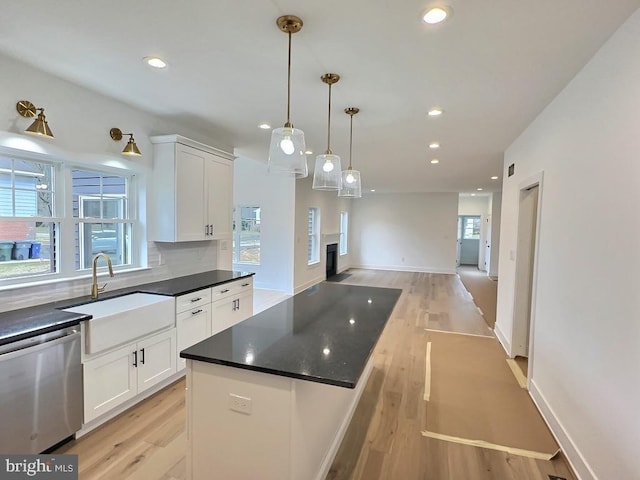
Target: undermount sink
{"x":123,"y":319}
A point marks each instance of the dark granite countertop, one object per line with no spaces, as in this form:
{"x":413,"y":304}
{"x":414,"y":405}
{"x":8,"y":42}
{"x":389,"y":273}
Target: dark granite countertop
{"x":324,"y":334}
{"x":31,"y":321}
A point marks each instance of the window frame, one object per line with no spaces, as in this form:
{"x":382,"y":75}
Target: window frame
{"x":313,"y":236}
{"x":343,"y":243}
{"x":237,"y":220}
{"x":63,"y":245}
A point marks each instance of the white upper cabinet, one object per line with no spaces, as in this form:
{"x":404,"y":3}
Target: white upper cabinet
{"x":193,"y":185}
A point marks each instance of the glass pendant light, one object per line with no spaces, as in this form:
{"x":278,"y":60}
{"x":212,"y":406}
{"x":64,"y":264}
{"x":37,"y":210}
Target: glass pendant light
{"x":287,"y":150}
{"x":351,"y":185}
{"x":326,"y":175}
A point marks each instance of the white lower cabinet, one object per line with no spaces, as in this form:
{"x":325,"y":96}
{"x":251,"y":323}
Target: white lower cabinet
{"x":208,"y":311}
{"x":119,"y":375}
{"x":228,"y":312}
{"x":193,"y":326}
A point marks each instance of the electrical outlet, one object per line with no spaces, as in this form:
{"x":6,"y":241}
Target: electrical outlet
{"x":240,"y":404}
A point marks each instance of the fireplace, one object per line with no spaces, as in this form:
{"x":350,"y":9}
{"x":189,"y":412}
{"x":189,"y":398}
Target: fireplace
{"x":332,"y":259}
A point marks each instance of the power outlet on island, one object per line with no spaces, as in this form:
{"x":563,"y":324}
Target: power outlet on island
{"x":240,"y":404}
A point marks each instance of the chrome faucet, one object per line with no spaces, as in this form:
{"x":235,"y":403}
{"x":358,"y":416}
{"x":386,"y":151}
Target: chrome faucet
{"x":94,"y":286}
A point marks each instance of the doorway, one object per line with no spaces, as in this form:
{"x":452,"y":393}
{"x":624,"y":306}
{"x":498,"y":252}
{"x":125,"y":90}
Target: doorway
{"x":469,"y":239}
{"x":525,"y":274}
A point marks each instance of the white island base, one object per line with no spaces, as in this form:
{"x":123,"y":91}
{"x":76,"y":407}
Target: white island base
{"x":293,"y":430}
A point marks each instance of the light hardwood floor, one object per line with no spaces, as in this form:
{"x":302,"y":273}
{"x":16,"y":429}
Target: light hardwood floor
{"x":384,"y":438}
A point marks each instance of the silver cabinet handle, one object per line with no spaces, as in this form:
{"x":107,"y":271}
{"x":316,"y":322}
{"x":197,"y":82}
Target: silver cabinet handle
{"x":196,"y":312}
{"x":246,"y":284}
{"x":196,"y":299}
{"x":224,"y":291}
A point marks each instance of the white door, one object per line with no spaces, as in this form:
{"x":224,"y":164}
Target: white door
{"x":219,"y":190}
{"x":470,"y":239}
{"x":192,"y":327}
{"x":156,"y":359}
{"x":109,"y":380}
{"x":222,"y":314}
{"x":243,"y":308}
{"x":525,"y":254}
{"x":190,"y":194}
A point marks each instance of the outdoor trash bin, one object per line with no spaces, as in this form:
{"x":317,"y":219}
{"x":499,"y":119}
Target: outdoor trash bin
{"x":5,"y":251}
{"x":35,"y":250}
{"x":21,"y":250}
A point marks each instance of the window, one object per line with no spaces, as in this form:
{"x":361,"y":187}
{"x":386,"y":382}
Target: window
{"x":344,"y":230}
{"x":314,"y":236}
{"x":246,"y":235}
{"x":101,"y":214}
{"x":37,"y":222}
{"x":471,"y":228}
{"x":28,"y":223}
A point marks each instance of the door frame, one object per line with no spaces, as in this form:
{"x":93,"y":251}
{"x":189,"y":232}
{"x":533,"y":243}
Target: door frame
{"x":524,"y":186}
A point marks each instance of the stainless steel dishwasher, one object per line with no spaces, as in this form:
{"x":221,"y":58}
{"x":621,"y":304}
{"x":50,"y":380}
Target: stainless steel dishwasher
{"x":40,"y":391}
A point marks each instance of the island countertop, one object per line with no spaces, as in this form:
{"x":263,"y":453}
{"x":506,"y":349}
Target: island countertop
{"x":324,"y":334}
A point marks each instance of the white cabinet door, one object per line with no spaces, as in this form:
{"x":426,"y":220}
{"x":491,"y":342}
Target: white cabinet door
{"x":156,"y":359}
{"x":191,"y":214}
{"x":219,"y":188}
{"x":222,"y":315}
{"x":243,"y":308}
{"x":192,"y":327}
{"x":109,"y":380}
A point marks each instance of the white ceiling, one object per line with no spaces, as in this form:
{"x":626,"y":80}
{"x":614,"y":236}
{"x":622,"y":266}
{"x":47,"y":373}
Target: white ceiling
{"x":492,"y":67}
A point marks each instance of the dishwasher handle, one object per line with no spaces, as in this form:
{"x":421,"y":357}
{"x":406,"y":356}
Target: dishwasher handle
{"x":39,"y":342}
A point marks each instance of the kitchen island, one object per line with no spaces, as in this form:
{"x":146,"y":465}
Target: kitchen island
{"x":271,"y":397}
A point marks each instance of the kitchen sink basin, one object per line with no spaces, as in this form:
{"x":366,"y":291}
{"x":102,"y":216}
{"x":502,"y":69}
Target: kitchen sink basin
{"x":123,"y":319}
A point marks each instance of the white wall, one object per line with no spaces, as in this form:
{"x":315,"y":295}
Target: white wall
{"x":494,"y":235}
{"x":586,"y":307}
{"x":409,"y":232}
{"x":478,"y":205}
{"x":80,"y":120}
{"x":330,"y":206}
{"x":275,"y":195}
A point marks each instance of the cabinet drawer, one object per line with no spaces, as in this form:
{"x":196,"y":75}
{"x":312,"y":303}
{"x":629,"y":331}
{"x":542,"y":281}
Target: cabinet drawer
{"x":232,"y":288}
{"x":192,"y":300}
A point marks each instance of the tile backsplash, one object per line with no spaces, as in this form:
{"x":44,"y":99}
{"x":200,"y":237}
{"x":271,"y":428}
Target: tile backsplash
{"x":165,"y":260}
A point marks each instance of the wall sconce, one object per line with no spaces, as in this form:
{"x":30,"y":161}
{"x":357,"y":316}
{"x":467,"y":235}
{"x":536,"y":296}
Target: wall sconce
{"x":39,"y":125}
{"x":131,"y":148}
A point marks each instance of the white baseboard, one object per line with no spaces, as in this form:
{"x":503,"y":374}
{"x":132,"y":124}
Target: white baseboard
{"x":93,"y":424}
{"x":502,"y":339}
{"x":402,"y":268}
{"x":310,"y":283}
{"x":578,"y":463}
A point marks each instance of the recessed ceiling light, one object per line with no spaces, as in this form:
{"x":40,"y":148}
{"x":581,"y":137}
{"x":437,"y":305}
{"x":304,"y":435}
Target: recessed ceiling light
{"x":494,"y":178}
{"x":435,"y":160}
{"x":434,"y":145}
{"x":155,"y":62}
{"x":435,"y":112}
{"x":435,"y":15}
{"x":473,"y":194}
{"x":264,"y":126}
{"x":308,"y":152}
{"x":479,"y":189}
{"x":373,"y":189}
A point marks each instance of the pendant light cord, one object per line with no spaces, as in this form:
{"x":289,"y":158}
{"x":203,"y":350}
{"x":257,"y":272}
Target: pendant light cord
{"x":329,"y":124}
{"x":289,"y":84}
{"x":350,"y":139}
